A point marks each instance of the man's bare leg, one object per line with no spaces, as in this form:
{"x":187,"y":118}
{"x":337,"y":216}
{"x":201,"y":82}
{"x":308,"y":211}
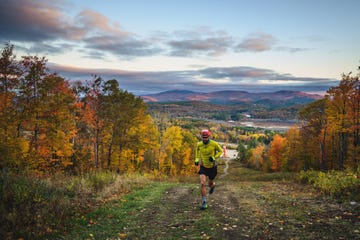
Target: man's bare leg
{"x":212,"y":186}
{"x":203,"y":191}
{"x":203,"y":185}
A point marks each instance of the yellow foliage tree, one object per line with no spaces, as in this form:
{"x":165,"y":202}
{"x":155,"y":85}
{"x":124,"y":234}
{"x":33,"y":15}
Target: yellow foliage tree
{"x":257,"y":157}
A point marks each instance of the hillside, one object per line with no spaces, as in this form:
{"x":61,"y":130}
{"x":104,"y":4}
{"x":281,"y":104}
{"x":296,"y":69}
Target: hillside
{"x":245,"y":205}
{"x":233,"y":97}
{"x":230,"y":105}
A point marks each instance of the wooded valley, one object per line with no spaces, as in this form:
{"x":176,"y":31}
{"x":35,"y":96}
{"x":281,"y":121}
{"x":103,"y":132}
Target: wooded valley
{"x":94,"y":130}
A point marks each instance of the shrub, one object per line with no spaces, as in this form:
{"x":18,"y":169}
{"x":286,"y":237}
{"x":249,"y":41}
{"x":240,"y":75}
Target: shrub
{"x":30,"y":206}
{"x":98,"y":180}
{"x":34,"y":208}
{"x":334,"y":183}
{"x":309,"y":176}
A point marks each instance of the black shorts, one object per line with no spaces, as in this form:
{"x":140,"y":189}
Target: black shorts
{"x":210,"y":172}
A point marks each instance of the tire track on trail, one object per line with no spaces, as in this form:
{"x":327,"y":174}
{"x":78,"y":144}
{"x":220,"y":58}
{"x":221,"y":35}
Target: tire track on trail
{"x":227,"y":160}
{"x":232,"y":153}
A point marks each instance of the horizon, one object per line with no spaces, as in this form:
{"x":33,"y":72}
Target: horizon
{"x":255,"y":92}
{"x":151,"y":47}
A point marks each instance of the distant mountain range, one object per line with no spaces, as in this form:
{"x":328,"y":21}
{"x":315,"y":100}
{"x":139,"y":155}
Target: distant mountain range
{"x":233,"y":97}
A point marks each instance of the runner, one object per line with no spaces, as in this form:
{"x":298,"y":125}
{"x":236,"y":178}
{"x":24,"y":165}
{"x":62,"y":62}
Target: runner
{"x":207,"y":152}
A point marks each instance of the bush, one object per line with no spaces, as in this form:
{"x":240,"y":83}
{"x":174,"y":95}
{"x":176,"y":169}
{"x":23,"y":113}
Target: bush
{"x":30,"y":206}
{"x":309,"y":176}
{"x":98,"y":180}
{"x":33,"y":207}
{"x":334,"y":183}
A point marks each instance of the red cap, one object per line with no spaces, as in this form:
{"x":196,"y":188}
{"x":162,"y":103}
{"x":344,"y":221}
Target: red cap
{"x":205,"y":133}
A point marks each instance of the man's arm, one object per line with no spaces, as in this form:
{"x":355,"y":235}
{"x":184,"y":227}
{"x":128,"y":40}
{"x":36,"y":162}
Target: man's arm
{"x":219,"y":151}
{"x":197,"y":155}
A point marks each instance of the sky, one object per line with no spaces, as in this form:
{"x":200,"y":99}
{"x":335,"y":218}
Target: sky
{"x":152,"y":46}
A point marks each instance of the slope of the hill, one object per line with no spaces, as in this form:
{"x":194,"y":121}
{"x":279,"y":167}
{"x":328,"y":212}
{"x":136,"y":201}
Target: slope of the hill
{"x":245,"y":205}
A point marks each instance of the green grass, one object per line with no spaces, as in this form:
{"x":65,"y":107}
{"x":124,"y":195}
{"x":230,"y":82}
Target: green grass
{"x":33,"y":207}
{"x":155,"y":211}
{"x":112,"y":219}
{"x":246,"y":174}
{"x":108,"y":206}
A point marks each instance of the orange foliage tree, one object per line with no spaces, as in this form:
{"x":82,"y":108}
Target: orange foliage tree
{"x":276,"y":151}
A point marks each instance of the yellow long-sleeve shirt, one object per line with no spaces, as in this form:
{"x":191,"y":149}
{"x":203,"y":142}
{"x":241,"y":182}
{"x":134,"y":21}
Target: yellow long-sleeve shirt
{"x":205,"y":151}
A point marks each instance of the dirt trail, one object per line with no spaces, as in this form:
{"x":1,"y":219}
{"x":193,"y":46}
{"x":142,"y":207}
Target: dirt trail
{"x":226,"y":168}
{"x":241,"y":209}
{"x":230,"y":155}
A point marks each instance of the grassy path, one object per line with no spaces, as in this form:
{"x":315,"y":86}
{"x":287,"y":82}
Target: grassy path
{"x":244,"y":206}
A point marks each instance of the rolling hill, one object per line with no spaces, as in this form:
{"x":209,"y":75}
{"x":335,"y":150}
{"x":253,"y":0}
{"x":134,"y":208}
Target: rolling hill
{"x":229,"y":105}
{"x":233,"y":97}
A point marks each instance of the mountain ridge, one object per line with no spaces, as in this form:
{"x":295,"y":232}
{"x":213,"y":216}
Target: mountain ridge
{"x":231,"y":96}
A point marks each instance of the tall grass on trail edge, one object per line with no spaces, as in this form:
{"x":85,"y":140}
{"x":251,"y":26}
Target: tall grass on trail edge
{"x":237,"y":172}
{"x":339,"y":184}
{"x":110,"y":220}
{"x":33,"y":207}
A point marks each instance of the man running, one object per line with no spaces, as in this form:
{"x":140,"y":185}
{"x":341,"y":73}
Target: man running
{"x":207,"y":152}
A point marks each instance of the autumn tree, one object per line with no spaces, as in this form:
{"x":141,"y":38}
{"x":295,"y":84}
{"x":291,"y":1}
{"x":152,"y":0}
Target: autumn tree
{"x":354,"y":116}
{"x":343,"y":111}
{"x":171,"y":144}
{"x":59,"y":125}
{"x":276,"y":151}
{"x":294,"y":150}
{"x":37,"y":120}
{"x":331,"y":130}
{"x":86,"y":121}
{"x":46,"y":104}
{"x":95,"y":124}
{"x":12,"y":146}
{"x":256,"y":159}
{"x":187,"y":153}
{"x":315,"y":118}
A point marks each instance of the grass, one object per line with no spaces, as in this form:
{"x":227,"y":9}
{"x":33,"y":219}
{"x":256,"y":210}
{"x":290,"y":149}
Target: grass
{"x":113,"y":219}
{"x":338,"y":184}
{"x":246,"y":203}
{"x":33,"y":207}
{"x":162,"y":210}
{"x":247,"y":174}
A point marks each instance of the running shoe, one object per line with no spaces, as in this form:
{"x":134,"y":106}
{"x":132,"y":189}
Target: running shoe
{"x":203,"y":206}
{"x":211,"y":190}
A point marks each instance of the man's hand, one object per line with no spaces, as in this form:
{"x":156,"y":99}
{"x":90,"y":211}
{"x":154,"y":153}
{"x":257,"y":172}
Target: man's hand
{"x":211,"y":159}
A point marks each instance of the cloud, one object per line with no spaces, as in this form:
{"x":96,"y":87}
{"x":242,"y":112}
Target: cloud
{"x":242,"y":73}
{"x":25,"y":20}
{"x":47,"y":26}
{"x":202,"y":42}
{"x":203,"y":80}
{"x":257,"y":42}
{"x":92,"y":21}
{"x":41,"y":25}
{"x":101,"y":34}
{"x":291,"y":49}
{"x":193,"y":47}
